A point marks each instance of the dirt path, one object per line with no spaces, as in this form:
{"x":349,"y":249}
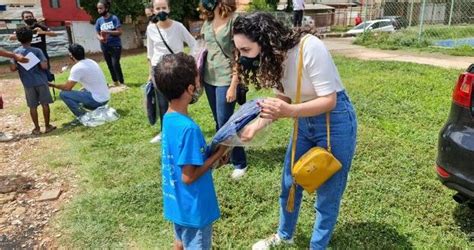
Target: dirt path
{"x":344,"y":46}
{"x":24,"y":219}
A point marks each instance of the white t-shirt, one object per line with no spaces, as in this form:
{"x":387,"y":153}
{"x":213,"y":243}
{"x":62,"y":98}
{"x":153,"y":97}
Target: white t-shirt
{"x":320,"y":75}
{"x":175,"y":36}
{"x":298,"y":4}
{"x":88,"y":73}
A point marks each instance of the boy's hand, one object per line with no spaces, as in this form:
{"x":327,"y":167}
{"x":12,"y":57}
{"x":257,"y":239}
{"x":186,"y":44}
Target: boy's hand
{"x":223,"y":153}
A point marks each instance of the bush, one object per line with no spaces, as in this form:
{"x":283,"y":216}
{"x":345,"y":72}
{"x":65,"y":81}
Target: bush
{"x":261,"y":5}
{"x":180,"y":9}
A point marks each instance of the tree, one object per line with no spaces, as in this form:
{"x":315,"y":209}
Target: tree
{"x":120,"y":8}
{"x":180,"y":9}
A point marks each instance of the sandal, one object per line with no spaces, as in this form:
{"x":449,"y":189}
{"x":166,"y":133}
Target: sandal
{"x":49,"y":129}
{"x":36,"y":131}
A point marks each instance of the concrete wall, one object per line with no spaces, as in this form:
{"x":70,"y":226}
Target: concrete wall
{"x":57,"y":46}
{"x":84,"y":33}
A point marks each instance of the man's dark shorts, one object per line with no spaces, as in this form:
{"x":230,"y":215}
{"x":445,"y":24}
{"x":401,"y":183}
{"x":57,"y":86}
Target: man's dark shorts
{"x":38,"y":95}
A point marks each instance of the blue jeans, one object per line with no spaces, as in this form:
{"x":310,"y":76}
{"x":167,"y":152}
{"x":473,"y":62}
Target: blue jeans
{"x":76,"y":101}
{"x":222,"y":111}
{"x":112,"y":58}
{"x":311,"y":133}
{"x":194,"y":238}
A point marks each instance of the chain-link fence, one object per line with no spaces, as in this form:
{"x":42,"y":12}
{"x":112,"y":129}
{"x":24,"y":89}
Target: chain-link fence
{"x":423,"y":23}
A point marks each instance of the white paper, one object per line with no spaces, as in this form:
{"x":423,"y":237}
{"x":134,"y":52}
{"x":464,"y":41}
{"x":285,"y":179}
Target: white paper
{"x":33,"y":61}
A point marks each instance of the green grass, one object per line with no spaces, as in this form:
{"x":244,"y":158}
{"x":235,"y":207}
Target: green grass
{"x":393,"y":199}
{"x":408,"y":39}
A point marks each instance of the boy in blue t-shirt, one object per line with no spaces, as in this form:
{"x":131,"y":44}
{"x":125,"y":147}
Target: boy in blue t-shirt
{"x":189,"y":198}
{"x":35,"y":80}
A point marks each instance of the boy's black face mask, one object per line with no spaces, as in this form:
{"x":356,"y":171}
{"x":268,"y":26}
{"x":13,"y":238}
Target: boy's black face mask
{"x":195,"y":96}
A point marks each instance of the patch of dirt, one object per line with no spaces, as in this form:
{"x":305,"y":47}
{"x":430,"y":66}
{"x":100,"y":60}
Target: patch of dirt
{"x":24,"y":221}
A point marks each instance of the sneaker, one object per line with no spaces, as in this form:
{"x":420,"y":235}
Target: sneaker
{"x":5,"y":138}
{"x":238,"y":173}
{"x":156,"y":139}
{"x":271,"y":241}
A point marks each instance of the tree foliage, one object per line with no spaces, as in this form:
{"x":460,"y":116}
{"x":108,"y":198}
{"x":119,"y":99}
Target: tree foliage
{"x":180,"y":9}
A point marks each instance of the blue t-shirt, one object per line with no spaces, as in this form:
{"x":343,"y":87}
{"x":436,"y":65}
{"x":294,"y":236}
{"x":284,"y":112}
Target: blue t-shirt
{"x":36,"y":76}
{"x":111,"y":23}
{"x":193,"y":205}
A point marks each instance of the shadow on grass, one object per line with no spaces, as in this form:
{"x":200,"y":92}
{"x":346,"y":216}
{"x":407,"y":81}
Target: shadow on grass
{"x":123,"y":112}
{"x":366,"y":235}
{"x":464,"y":217}
{"x":266,"y":158}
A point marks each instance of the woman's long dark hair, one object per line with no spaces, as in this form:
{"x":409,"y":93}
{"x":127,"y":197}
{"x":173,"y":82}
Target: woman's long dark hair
{"x":275,"y":39}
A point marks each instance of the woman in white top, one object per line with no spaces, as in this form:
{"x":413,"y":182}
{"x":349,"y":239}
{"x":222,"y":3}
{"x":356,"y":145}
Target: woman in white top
{"x":164,"y":36}
{"x":268,"y":53}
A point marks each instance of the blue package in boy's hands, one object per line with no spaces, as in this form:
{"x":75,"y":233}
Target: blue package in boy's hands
{"x":246,"y":113}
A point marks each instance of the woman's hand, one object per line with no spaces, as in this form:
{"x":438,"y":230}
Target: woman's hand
{"x":274,"y":108}
{"x":249,"y":132}
{"x":231,"y":94}
{"x":20,"y":58}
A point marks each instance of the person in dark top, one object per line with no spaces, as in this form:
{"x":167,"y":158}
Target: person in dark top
{"x":109,"y":30}
{"x":40,"y":31}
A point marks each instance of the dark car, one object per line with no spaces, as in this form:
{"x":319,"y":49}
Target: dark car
{"x":455,"y":162}
{"x":397,"y":21}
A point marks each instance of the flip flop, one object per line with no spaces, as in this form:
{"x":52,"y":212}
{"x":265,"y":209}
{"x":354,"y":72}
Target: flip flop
{"x":36,"y":132}
{"x":49,"y":129}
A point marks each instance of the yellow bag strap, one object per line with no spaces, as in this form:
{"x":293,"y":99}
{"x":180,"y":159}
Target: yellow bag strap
{"x":298,"y":97}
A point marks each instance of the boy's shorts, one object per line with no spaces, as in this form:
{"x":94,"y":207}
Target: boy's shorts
{"x":38,"y":95}
{"x":194,"y":238}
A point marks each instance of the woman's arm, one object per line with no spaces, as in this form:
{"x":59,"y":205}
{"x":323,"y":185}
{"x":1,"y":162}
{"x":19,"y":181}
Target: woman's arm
{"x":188,"y":39}
{"x":249,"y":132}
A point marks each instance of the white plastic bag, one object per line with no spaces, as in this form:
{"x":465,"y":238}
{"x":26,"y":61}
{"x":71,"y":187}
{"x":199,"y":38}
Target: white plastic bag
{"x":99,"y":116}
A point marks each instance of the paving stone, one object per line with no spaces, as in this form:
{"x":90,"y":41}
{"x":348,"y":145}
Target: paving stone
{"x":50,"y":195}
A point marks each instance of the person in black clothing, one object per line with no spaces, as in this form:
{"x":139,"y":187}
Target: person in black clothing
{"x":40,"y":31}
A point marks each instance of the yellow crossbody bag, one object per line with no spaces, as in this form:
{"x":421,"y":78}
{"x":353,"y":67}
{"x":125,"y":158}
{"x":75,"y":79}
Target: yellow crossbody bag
{"x":318,"y":164}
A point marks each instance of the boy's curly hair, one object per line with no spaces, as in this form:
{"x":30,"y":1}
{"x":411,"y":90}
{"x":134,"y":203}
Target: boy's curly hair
{"x":275,"y":39}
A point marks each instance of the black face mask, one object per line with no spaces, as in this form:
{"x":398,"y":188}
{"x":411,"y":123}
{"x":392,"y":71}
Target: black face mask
{"x":30,"y":22}
{"x":196,"y":94}
{"x":250,"y":63}
{"x":162,"y":15}
{"x":209,"y":5}
{"x":104,"y":13}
